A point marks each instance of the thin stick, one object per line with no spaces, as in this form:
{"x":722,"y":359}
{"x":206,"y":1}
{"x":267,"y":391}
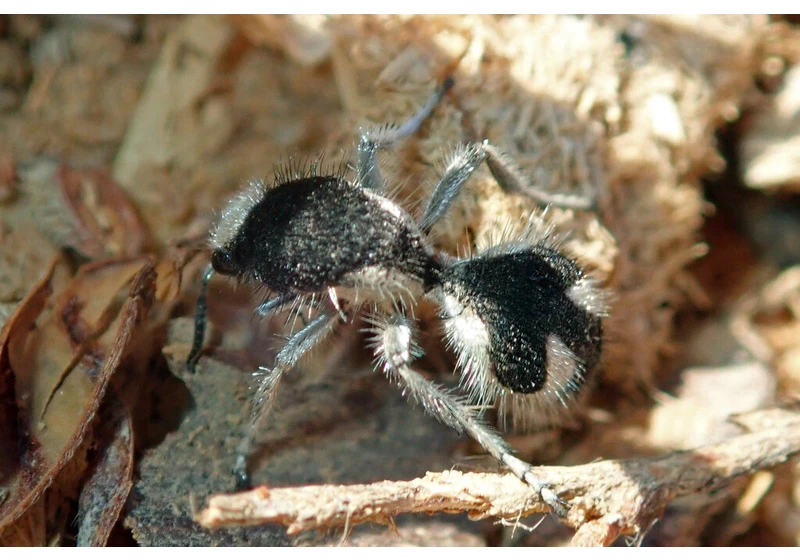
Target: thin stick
{"x":629,"y":494}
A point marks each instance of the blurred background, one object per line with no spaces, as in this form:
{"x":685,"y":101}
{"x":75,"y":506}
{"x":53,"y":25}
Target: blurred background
{"x":122,"y":137}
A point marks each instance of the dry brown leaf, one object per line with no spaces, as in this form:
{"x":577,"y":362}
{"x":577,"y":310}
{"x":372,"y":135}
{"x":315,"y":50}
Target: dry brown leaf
{"x":170,"y":268}
{"x":110,"y":476}
{"x":18,"y":325}
{"x":58,"y":380}
{"x":79,"y":208}
{"x":106,"y":222}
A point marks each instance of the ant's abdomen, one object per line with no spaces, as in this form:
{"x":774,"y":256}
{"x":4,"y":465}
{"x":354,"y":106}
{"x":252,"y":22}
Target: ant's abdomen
{"x":524,"y":320}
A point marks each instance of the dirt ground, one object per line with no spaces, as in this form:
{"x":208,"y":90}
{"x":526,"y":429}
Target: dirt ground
{"x":121,"y":140}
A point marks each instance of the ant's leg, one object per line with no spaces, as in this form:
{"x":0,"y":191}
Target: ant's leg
{"x":268,"y":382}
{"x":381,"y":136}
{"x":200,"y":319}
{"x":512,"y":179}
{"x":461,"y":165}
{"x":395,"y":349}
{"x":272,"y":304}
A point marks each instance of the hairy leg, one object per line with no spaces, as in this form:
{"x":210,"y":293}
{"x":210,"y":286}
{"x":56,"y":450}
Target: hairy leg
{"x":272,"y":304}
{"x":269,"y":381}
{"x":382,"y":136}
{"x":461,"y":165}
{"x":509,"y":176}
{"x":395,"y":350}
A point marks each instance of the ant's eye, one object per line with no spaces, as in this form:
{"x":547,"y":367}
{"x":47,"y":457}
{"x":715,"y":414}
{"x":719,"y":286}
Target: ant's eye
{"x":222,"y":261}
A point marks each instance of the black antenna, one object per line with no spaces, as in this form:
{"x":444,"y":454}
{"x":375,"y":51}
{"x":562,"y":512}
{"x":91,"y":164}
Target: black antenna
{"x":199,"y":321}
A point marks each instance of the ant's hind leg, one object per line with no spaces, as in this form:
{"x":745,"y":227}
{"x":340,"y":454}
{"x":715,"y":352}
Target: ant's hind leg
{"x":461,"y":164}
{"x":512,"y":179}
{"x":382,"y":136}
{"x":395,"y":349}
{"x":269,"y":381}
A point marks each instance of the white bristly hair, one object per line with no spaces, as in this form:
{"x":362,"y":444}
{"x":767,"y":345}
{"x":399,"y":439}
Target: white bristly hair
{"x":235,"y":213}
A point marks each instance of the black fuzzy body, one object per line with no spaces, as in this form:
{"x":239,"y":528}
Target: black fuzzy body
{"x":522,"y":299}
{"x":313,"y":233}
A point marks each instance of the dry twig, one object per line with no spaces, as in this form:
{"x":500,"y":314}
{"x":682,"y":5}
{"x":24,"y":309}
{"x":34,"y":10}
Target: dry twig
{"x":606,"y":498}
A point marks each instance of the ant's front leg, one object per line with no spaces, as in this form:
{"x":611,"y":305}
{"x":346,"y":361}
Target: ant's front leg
{"x":269,"y":381}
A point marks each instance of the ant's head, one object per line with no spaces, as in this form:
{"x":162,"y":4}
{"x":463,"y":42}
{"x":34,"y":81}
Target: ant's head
{"x":238,"y":257}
